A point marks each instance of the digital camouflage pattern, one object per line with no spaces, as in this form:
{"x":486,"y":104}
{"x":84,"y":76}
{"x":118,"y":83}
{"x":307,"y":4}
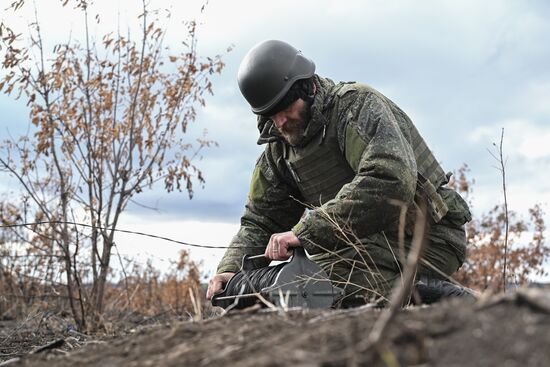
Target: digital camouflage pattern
{"x":361,"y":162}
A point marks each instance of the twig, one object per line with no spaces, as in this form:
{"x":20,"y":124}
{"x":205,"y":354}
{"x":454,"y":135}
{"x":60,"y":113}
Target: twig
{"x":196,"y":305}
{"x":506,"y":224}
{"x":126,"y":287}
{"x":52,"y":345}
{"x":500,"y":159}
{"x":401,"y":290}
{"x":10,"y":361}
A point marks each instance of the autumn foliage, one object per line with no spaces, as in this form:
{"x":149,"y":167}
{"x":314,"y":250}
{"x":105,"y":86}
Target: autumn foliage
{"x":108,"y":121}
{"x":484,"y":264}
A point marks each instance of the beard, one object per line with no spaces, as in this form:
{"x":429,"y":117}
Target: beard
{"x":294,"y":130}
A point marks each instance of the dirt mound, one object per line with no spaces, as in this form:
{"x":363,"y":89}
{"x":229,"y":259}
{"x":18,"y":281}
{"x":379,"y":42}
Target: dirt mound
{"x":510,"y":330}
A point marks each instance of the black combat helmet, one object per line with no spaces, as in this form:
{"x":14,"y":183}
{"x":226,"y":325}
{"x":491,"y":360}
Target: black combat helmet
{"x":268,"y":71}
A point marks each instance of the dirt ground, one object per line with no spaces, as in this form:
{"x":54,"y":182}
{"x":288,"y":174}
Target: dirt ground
{"x":505,"y":330}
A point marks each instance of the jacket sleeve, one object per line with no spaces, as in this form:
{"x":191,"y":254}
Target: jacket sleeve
{"x":270,"y":208}
{"x":383,"y":160}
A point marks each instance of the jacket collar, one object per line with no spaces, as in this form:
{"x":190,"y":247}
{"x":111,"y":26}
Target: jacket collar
{"x":268,"y":131}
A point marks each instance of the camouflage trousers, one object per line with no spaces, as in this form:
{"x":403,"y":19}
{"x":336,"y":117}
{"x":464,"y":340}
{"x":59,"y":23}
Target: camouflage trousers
{"x":368,"y":271}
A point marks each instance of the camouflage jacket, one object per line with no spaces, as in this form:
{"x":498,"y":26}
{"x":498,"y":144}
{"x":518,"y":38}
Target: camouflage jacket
{"x":374,"y":137}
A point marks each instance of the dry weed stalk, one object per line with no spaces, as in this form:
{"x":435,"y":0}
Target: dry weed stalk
{"x":197,"y":309}
{"x":502,"y":168}
{"x":401,"y":290}
{"x":346,"y":234}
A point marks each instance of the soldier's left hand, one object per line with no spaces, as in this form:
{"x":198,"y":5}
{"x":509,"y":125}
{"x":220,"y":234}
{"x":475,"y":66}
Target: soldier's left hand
{"x":280,"y":245}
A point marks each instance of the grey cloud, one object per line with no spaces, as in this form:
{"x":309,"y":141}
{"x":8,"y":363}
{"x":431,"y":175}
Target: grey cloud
{"x":452,"y":66}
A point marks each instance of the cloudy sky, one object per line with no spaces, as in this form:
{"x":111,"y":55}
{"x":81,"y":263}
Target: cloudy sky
{"x":462,"y":70}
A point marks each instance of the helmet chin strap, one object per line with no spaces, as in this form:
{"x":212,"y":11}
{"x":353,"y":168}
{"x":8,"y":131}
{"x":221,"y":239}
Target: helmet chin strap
{"x":310,"y":90}
{"x":309,"y":99}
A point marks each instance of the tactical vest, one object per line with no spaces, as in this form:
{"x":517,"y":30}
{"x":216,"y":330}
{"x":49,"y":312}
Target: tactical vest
{"x":320,"y":168}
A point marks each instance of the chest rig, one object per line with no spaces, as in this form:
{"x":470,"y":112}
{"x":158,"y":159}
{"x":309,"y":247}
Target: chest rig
{"x":319,"y":168}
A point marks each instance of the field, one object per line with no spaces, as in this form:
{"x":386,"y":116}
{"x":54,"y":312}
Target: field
{"x":503,"y":330}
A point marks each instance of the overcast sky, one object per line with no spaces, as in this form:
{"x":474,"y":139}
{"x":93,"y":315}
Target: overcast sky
{"x":462,"y":70}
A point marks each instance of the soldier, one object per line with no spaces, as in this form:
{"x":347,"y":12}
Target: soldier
{"x":341,"y":163}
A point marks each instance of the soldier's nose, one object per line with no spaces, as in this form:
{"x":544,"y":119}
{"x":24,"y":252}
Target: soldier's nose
{"x":279,"y":119}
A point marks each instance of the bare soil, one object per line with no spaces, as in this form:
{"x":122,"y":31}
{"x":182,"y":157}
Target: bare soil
{"x":505,"y":330}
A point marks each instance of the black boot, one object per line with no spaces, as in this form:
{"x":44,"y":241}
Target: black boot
{"x":432,"y":290}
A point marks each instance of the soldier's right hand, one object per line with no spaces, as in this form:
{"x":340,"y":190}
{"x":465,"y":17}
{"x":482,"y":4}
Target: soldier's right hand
{"x":216,"y":284}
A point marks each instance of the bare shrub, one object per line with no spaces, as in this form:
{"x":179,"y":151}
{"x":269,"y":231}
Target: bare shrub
{"x":483,"y":268}
{"x":108,"y":121}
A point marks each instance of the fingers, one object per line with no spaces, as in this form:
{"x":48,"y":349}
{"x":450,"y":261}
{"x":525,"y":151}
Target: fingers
{"x":272,"y":250}
{"x":216,"y":284}
{"x":279,"y":246}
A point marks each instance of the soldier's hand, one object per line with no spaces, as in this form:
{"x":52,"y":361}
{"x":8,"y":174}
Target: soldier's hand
{"x":280,"y":245}
{"x":216,"y":284}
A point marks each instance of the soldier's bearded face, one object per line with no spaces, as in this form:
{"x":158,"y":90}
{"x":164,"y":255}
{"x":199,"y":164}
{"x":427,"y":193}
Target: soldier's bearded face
{"x":292,"y":121}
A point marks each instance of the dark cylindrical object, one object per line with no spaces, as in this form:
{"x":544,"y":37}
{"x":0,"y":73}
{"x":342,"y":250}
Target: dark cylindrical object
{"x":248,"y":282}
